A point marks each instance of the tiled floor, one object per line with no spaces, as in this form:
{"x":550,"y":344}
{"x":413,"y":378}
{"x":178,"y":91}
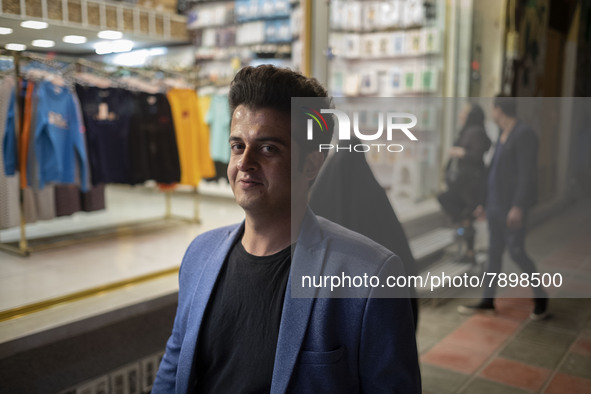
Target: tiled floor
{"x":507,"y":352}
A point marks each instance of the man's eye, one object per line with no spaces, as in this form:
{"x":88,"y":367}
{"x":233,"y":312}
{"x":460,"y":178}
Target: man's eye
{"x":268,"y":148}
{"x":236,"y":146}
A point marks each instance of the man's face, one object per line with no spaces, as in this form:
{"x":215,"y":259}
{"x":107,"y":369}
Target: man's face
{"x":260,"y":163}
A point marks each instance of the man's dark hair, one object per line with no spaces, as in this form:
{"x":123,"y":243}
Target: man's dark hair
{"x":507,"y":104}
{"x":267,"y":86}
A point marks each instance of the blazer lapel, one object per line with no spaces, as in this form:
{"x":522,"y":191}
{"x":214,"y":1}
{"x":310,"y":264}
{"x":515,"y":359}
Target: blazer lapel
{"x":200,"y":298}
{"x":308,"y":258}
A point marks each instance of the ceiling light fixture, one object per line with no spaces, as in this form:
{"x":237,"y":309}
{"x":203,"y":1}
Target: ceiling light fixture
{"x":74,"y":39}
{"x":110,"y":35}
{"x":15,"y":47}
{"x":5,"y":30}
{"x":43,"y":43}
{"x":105,"y":47}
{"x":37,"y":25}
{"x":122,"y":46}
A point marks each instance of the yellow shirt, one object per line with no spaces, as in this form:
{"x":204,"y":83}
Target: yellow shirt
{"x":192,"y":137}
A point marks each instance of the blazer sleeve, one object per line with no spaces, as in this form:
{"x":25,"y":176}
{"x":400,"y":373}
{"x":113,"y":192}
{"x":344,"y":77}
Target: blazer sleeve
{"x":388,"y":352}
{"x":165,"y":382}
{"x":527,"y":167}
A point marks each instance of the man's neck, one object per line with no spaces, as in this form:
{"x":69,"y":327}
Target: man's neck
{"x":264,"y":236}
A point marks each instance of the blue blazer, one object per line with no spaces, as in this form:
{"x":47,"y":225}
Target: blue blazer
{"x":516,"y":181}
{"x":325,"y":345}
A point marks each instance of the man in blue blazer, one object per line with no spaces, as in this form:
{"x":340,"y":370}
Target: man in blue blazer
{"x":511,"y":192}
{"x":246,"y":321}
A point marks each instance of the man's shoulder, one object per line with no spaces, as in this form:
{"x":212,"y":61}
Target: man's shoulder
{"x":212,"y":237}
{"x":349,"y":241}
{"x":525,"y":130}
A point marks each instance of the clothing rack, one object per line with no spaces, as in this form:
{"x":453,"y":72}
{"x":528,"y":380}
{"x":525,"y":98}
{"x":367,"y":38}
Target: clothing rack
{"x":23,"y":247}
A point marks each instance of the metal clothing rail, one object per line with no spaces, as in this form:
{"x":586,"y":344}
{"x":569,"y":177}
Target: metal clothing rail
{"x":24,"y":248}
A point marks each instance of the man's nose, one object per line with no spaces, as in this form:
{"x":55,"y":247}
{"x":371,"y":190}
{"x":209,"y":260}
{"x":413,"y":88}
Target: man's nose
{"x":248,"y":160}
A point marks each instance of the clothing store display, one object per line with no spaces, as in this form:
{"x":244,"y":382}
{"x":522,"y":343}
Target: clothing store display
{"x":73,"y":140}
{"x":59,"y":139}
{"x":153,"y":147}
{"x":191,"y":136}
{"x":218,"y":119}
{"x":107,"y":117}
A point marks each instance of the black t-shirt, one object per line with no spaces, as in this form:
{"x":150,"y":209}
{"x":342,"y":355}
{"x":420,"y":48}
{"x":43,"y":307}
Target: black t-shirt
{"x":235,"y":350}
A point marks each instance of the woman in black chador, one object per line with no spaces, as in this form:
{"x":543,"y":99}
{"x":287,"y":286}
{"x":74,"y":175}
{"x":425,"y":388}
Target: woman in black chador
{"x":464,"y":175}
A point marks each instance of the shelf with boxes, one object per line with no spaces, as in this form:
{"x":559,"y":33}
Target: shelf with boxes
{"x":230,"y":34}
{"x":393,"y":48}
{"x":385,"y":48}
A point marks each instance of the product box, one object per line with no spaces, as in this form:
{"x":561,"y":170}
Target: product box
{"x":414,"y":43}
{"x":352,"y":82}
{"x":382,"y":41}
{"x":208,"y":38}
{"x":429,"y":79}
{"x":414,"y":13}
{"x":395,"y":81}
{"x":352,"y":46}
{"x":283,"y":27}
{"x":368,"y":83}
{"x":353,"y":16}
{"x":368,"y":46}
{"x":409,"y":80}
{"x":266,"y":9}
{"x":336,"y":44}
{"x":281,"y":8}
{"x":337,"y":14}
{"x":371,"y":11}
{"x":271,"y":32}
{"x":397,"y":45}
{"x":337,"y":83}
{"x":431,"y":41}
{"x":242,"y":10}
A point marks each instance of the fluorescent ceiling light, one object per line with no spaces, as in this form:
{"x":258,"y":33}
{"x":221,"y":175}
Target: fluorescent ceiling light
{"x":158,"y":51}
{"x":110,"y":34}
{"x":15,"y":47}
{"x":74,"y":39}
{"x":122,"y":46}
{"x":43,"y":43}
{"x":5,"y":30}
{"x":37,"y":25}
{"x":103,"y":47}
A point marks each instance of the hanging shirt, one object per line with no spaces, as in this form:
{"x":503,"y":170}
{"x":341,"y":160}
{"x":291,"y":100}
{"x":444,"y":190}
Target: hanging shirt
{"x":58,"y":138}
{"x":153,"y":147}
{"x":191,"y":136}
{"x":107,"y":115}
{"x":9,"y":194}
{"x":44,"y":199}
{"x":218,"y":119}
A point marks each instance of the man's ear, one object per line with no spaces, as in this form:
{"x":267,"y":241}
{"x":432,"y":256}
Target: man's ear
{"x":312,"y":165}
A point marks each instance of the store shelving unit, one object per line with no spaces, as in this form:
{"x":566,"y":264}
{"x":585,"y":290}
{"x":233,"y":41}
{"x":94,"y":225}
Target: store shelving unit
{"x":393,"y":48}
{"x":230,"y":34}
{"x":100,"y":14}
